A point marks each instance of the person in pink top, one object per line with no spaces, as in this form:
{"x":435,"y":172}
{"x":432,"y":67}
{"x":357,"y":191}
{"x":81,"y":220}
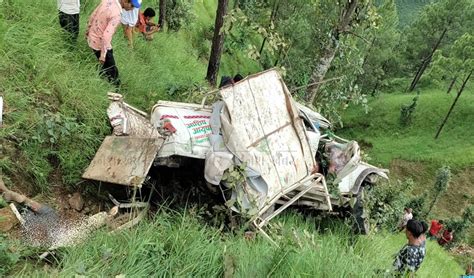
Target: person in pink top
{"x":100,"y":29}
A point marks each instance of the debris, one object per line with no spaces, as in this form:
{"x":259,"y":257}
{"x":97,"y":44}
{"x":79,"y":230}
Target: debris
{"x":17,"y":214}
{"x":127,"y":205}
{"x":76,"y":202}
{"x":66,"y":234}
{"x":257,"y":136}
{"x":169,"y":126}
{"x":132,"y":222}
{"x":9,"y":196}
{"x":124,"y":160}
{"x":8,"y":220}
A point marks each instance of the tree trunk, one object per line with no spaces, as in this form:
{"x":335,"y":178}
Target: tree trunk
{"x":426,"y":62}
{"x":377,"y":83}
{"x":272,"y":18}
{"x":278,"y":57}
{"x":451,"y":85}
{"x":320,"y":72}
{"x":324,"y":62}
{"x":368,"y":52}
{"x":162,"y":16}
{"x":454,"y":103}
{"x":217,"y":43}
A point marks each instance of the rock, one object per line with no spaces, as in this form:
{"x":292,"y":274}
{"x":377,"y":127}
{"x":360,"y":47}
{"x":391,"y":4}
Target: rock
{"x":76,"y":202}
{"x":7,"y":220}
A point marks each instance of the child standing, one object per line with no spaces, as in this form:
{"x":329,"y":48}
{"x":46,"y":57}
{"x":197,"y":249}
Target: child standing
{"x":129,"y":20}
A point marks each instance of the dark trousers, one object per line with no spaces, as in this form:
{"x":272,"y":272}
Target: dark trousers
{"x":70,"y":23}
{"x":109,"y":69}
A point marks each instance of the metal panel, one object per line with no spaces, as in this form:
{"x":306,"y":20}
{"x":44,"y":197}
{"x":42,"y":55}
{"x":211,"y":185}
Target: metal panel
{"x":123,"y":160}
{"x":192,"y":129}
{"x":266,"y":131}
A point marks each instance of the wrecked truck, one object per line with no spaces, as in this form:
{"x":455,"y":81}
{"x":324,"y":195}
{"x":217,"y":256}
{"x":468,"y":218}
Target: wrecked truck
{"x":260,"y":147}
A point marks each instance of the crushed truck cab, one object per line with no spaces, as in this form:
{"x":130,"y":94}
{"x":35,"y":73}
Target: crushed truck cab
{"x":256,"y":141}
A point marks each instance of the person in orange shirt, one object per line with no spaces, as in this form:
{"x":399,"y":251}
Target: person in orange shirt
{"x":145,"y":25}
{"x":100,"y":29}
{"x":435,"y":228}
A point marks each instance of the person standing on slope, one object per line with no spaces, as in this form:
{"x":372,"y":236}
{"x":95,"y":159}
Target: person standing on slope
{"x":68,"y":11}
{"x":410,"y":257}
{"x":130,"y":20}
{"x":100,"y":29}
{"x":406,"y":216}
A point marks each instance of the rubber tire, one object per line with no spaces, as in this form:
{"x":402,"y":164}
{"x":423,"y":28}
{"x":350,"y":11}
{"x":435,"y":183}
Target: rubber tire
{"x":361,"y":224}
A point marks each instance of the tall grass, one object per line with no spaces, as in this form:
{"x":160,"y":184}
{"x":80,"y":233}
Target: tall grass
{"x":44,"y":80}
{"x":176,"y":244}
{"x":55,"y":100}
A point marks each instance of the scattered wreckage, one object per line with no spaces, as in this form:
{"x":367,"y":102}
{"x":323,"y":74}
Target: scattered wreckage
{"x":261,"y":148}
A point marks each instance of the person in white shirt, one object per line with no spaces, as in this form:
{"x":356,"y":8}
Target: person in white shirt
{"x":69,"y":17}
{"x":406,"y":216}
{"x":129,"y":21}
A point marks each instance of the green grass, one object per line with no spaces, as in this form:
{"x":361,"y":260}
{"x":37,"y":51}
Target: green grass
{"x":57,"y":83}
{"x":412,"y":152}
{"x":381,"y":130}
{"x":174,"y":244}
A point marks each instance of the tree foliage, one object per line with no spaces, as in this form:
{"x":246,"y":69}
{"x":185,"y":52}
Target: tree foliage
{"x":381,"y":55}
{"x":455,"y":62}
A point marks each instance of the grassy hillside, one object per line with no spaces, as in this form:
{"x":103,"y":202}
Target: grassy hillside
{"x":412,"y":152}
{"x":174,"y":244}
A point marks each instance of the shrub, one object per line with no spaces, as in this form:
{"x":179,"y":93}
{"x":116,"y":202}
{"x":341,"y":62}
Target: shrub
{"x":7,"y":258}
{"x":407,"y":111}
{"x":461,"y":225}
{"x":178,"y":13}
{"x":385,"y":203}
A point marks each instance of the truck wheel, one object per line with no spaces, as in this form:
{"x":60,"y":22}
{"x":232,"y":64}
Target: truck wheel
{"x":360,"y":217}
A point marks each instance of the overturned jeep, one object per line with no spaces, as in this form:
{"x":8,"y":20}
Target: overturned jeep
{"x":262,"y":150}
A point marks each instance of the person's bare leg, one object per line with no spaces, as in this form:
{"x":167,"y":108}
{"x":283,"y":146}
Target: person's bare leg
{"x":129,"y":35}
{"x":124,"y":31}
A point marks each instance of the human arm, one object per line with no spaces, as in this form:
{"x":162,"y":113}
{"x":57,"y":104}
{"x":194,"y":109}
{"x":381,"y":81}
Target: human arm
{"x":153,"y":30}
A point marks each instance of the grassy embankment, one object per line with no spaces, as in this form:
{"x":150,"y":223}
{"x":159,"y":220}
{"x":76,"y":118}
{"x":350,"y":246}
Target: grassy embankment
{"x":178,"y":245}
{"x":412,"y":151}
{"x":55,"y":119}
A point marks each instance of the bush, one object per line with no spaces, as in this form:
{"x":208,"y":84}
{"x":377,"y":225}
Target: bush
{"x":7,"y":258}
{"x":385,"y":203}
{"x":461,"y":225}
{"x":178,"y":13}
{"x":407,"y":111}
